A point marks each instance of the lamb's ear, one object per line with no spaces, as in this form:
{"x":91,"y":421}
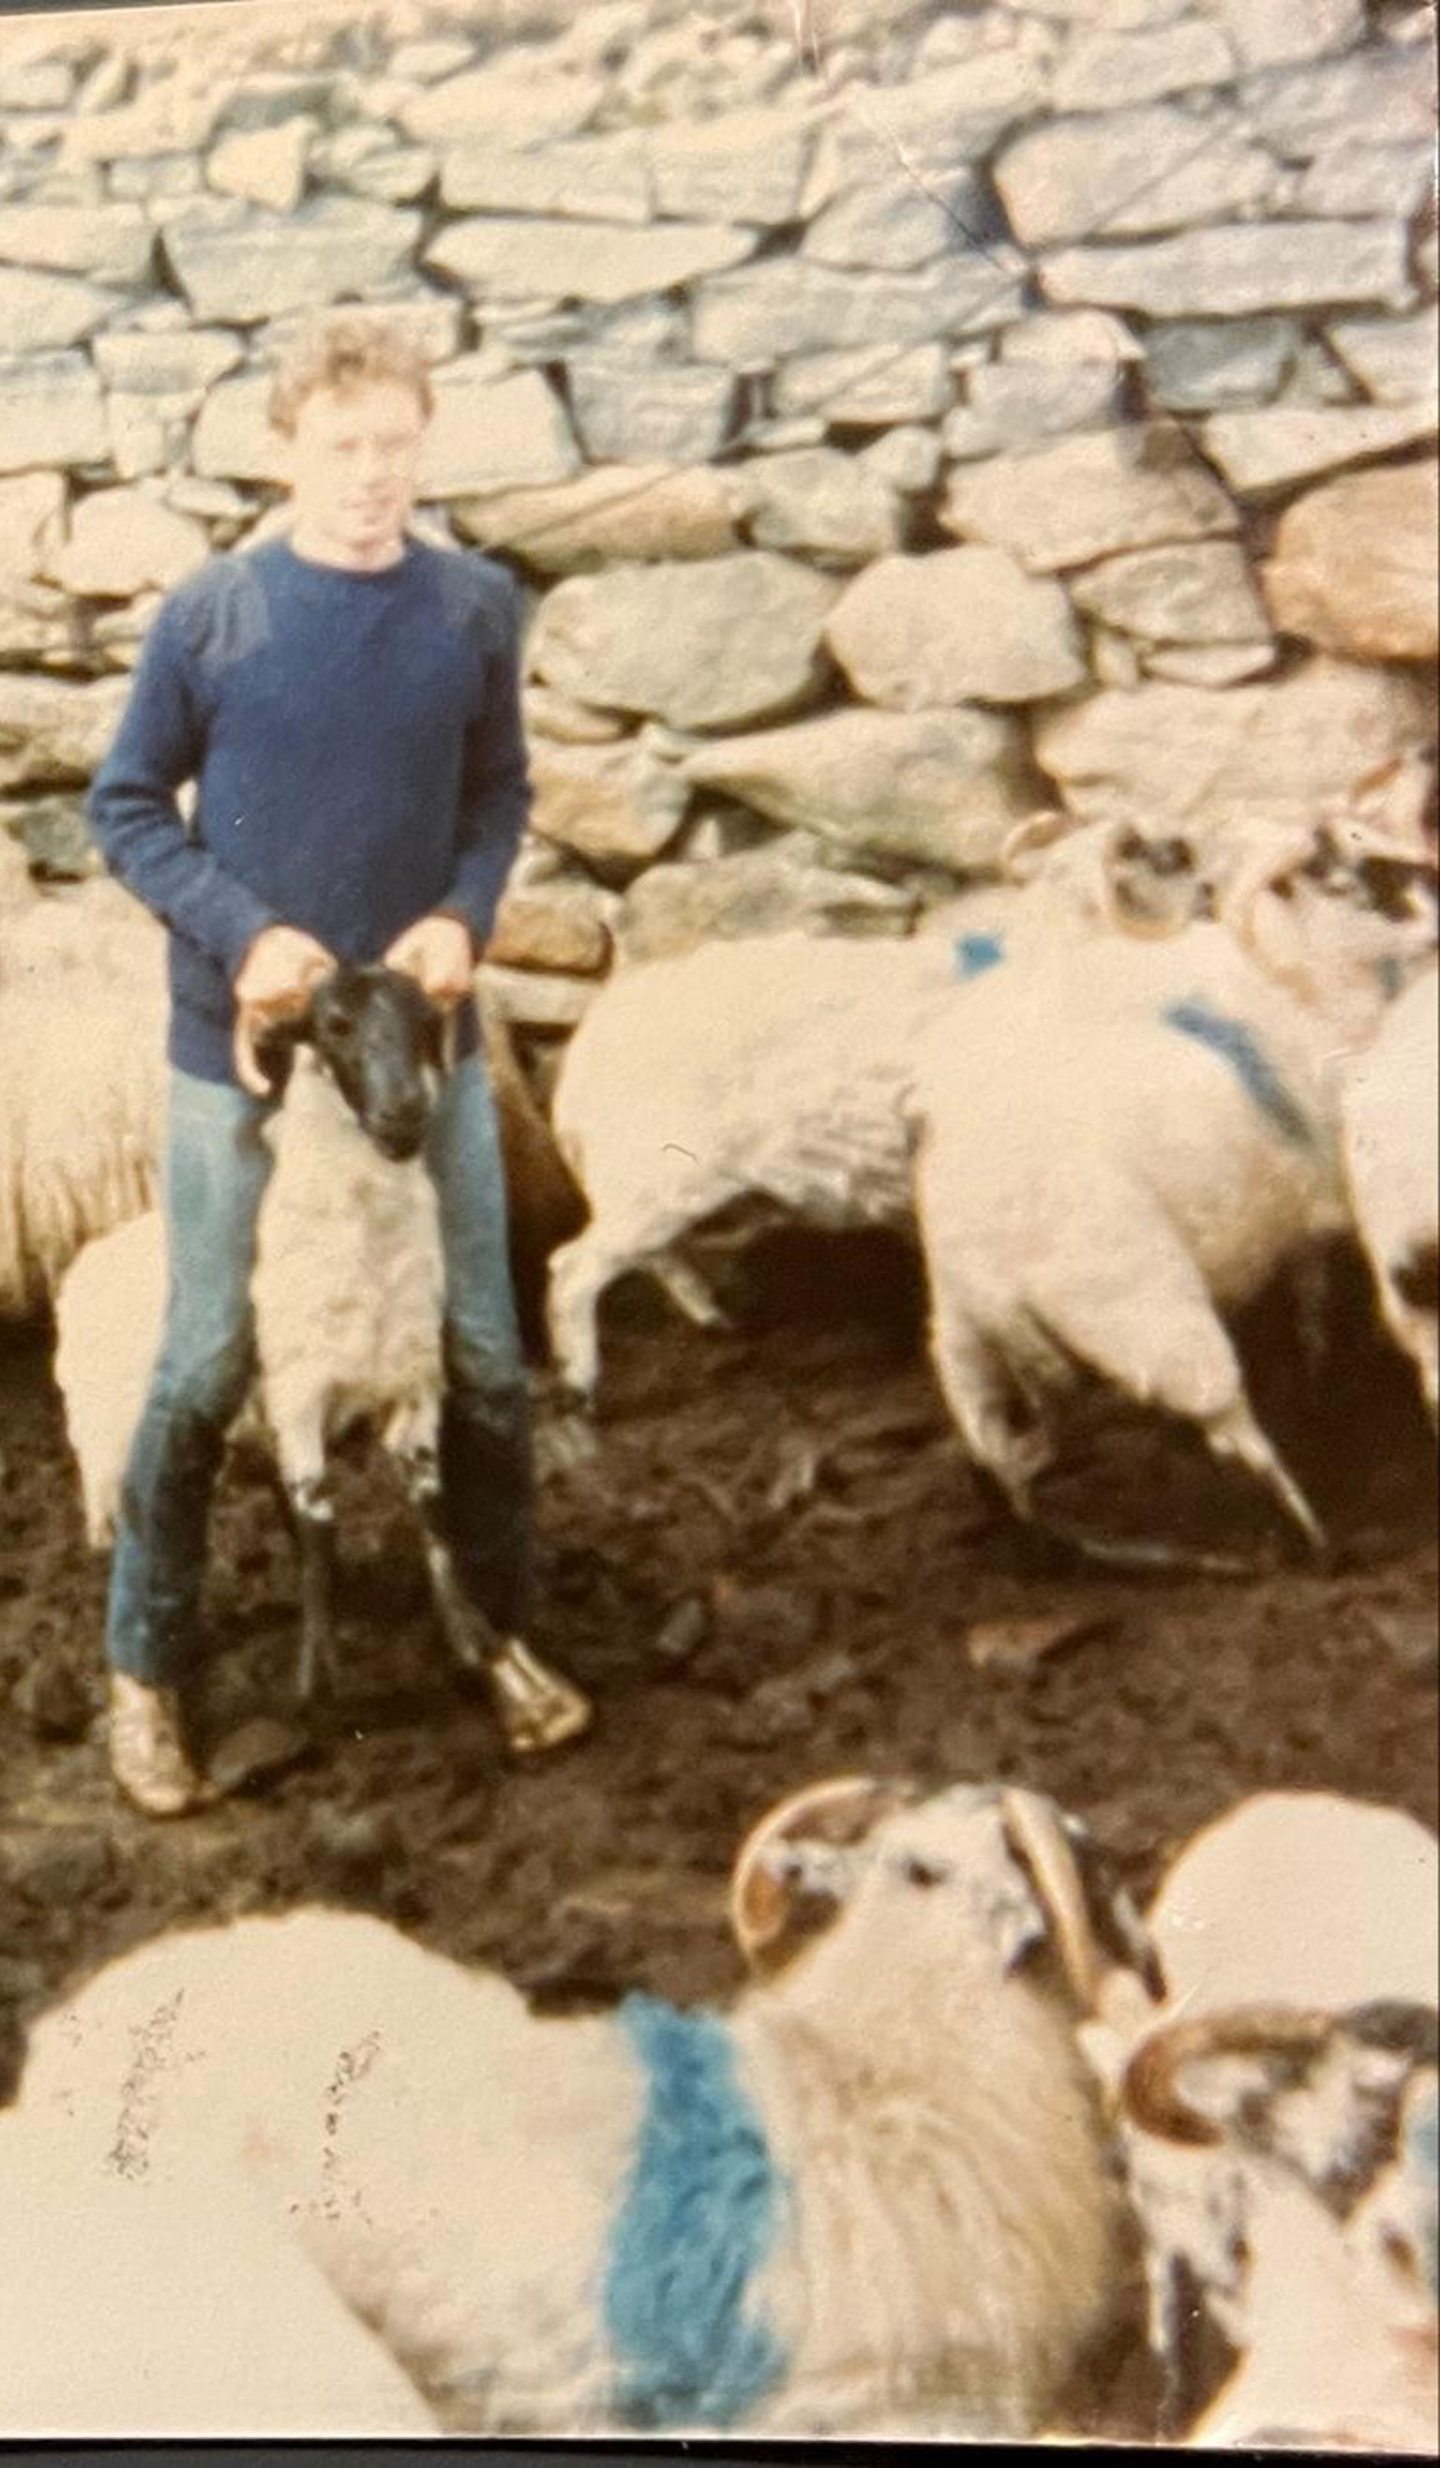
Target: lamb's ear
{"x":265,"y":1056}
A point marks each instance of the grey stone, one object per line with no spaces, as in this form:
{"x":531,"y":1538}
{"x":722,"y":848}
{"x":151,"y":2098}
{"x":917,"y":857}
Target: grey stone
{"x":32,"y":517}
{"x":742,"y":167}
{"x":1197,"y":366}
{"x":515,"y":101}
{"x":47,"y":312}
{"x":1065,"y":504}
{"x":506,"y":432}
{"x":233,"y":439}
{"x":644,"y":512}
{"x":56,"y":837}
{"x":614,"y":805}
{"x":427,"y":62}
{"x":772,"y":312}
{"x":606,"y":179}
{"x":722,"y":644}
{"x":156,"y":175}
{"x":1212,"y":665}
{"x":905,"y":458}
{"x":1272,"y":448}
{"x":1354,"y":565}
{"x":822,"y":504}
{"x":891,"y":225}
{"x":52,"y":733}
{"x":210,"y":501}
{"x":518,"y":256}
{"x":51,"y":412}
{"x":174,"y":115}
{"x":257,"y":267}
{"x":113,"y":243}
{"x":1009,"y":405}
{"x":869,"y":386}
{"x":268,"y":97}
{"x":629,"y":412}
{"x":1316,"y":377}
{"x":123,"y":541}
{"x":148,"y":432}
{"x":961,"y":624}
{"x":1303,"y":112}
{"x":1271,"y":33}
{"x":1236,"y":270}
{"x":674,"y":908}
{"x":1394,"y":358}
{"x":1067,"y":336}
{"x":1105,"y":71}
{"x":938,"y":787}
{"x":550,"y":714}
{"x":1199,"y":591}
{"x":432,"y":320}
{"x":1359,"y":178}
{"x":533,"y":998}
{"x":1183,"y":756}
{"x":36,"y":85}
{"x":265,"y":165}
{"x":183,"y":362}
{"x":1143,"y":170}
{"x":37,"y":623}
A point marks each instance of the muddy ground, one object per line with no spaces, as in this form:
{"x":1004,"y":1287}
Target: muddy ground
{"x":771,"y":1573}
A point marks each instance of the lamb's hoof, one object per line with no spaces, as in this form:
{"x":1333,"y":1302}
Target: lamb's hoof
{"x":537,"y":1708}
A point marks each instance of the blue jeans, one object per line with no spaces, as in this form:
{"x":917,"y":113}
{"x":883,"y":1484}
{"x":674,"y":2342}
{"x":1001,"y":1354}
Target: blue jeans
{"x":216,"y":1168}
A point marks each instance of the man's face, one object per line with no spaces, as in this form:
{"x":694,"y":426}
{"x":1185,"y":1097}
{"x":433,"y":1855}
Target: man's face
{"x":352,"y":465}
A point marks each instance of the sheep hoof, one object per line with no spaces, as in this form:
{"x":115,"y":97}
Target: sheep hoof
{"x":565,"y":1439}
{"x":538,"y":1709}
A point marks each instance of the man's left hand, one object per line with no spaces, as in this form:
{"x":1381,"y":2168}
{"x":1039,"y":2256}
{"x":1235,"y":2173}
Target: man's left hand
{"x":437,"y":953}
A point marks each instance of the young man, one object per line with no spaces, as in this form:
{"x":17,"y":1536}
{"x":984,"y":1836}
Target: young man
{"x":346,"y":699}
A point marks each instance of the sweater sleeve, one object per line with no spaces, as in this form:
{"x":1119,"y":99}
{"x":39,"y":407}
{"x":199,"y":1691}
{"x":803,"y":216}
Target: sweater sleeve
{"x":495,"y":782}
{"x":137,"y":821}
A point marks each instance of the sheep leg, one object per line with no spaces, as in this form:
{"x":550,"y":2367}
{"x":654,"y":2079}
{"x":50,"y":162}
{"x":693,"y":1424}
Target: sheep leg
{"x":1235,"y":1433}
{"x":581,"y":1271}
{"x":981,"y":1402}
{"x":688,"y":1290}
{"x":300,"y":1446}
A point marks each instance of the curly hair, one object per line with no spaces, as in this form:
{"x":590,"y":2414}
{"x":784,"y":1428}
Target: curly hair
{"x":340,"y":352}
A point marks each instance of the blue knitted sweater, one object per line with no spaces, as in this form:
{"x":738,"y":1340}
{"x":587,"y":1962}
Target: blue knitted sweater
{"x":356,"y":744}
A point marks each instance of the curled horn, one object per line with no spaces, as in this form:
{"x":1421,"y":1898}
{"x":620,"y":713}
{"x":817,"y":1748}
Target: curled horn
{"x":1038,"y":1839}
{"x":1030,"y":839}
{"x":839,"y":1814}
{"x":1150,"y":2094}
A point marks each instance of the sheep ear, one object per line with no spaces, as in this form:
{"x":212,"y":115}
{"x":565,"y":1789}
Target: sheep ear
{"x":1023,"y":847}
{"x":791,"y":1875}
{"x":265,"y":1056}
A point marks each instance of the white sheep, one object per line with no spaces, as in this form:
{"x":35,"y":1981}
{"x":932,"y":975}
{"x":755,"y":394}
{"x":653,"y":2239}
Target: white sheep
{"x":82,"y":1013}
{"x":1273,"y":2117}
{"x":348,"y":1289}
{"x":776,"y":1068}
{"x":1391,"y":1114}
{"x":1119,"y":1140}
{"x":875,"y":2194}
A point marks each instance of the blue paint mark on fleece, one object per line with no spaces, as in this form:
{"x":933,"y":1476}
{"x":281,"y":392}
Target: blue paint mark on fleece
{"x":975,"y":953}
{"x":1236,"y":1045}
{"x":699,"y":2216}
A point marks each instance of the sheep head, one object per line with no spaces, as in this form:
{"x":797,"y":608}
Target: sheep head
{"x":376,"y":1036}
{"x":1131,"y":881}
{"x":1329,"y":910}
{"x":1015,"y":1871}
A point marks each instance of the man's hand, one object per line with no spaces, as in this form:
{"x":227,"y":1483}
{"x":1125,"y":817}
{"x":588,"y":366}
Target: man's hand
{"x":437,"y":953}
{"x":277,"y":973}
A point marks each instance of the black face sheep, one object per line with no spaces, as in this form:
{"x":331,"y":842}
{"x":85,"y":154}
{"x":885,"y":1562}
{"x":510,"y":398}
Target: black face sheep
{"x":876,"y":2195}
{"x":348,"y":1292}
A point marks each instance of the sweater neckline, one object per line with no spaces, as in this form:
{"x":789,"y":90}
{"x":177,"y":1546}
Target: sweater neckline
{"x":315,"y":570}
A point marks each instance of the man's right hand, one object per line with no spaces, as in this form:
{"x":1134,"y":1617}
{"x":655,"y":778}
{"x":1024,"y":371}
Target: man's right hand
{"x":277,"y":973}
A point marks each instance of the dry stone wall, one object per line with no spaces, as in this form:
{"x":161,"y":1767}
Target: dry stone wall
{"x":957,"y":409}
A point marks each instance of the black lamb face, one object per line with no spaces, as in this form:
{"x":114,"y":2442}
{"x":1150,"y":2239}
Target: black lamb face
{"x":382,"y":1041}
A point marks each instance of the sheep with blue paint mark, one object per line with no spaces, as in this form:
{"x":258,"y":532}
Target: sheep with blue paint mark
{"x":1119,"y":1141}
{"x":776,"y":1068}
{"x":876,"y":2194}
{"x":1391,"y":1110}
{"x":1277,"y":2120}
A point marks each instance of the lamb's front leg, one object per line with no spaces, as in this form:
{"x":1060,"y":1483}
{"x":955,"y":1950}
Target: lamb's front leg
{"x":300,"y":1447}
{"x":536,"y":1707}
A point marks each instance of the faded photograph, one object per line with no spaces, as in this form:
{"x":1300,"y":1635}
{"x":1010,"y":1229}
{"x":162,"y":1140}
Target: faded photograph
{"x":718,"y":1221}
